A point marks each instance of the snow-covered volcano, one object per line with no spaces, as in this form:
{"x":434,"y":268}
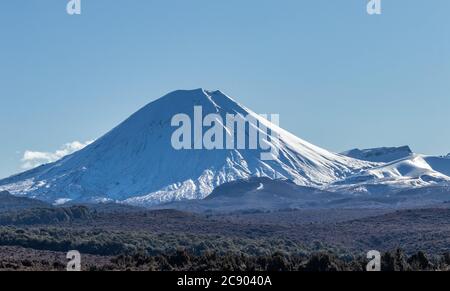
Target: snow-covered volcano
{"x":136,"y":162}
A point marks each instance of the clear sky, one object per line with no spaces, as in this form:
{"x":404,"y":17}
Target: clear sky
{"x":338,"y":77}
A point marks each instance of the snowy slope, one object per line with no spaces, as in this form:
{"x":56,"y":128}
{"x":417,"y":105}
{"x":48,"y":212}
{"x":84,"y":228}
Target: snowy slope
{"x":410,"y":172}
{"x":440,"y":164}
{"x":135,"y":162}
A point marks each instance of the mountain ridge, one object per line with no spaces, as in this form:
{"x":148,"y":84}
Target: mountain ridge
{"x":134,"y":162}
{"x":383,"y":154}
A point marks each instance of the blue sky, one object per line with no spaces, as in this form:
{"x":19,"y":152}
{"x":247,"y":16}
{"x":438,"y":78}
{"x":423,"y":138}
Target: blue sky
{"x":338,"y":77}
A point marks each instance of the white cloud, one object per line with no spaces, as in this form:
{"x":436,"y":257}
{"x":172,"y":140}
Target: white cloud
{"x":32,"y":159}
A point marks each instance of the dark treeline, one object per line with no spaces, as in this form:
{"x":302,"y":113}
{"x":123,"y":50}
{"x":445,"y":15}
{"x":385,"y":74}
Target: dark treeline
{"x":181,"y":260}
{"x":316,"y":262}
{"x":144,"y":251}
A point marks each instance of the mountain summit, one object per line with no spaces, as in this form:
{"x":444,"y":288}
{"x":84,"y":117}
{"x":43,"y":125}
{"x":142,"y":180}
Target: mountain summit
{"x":137,"y":163}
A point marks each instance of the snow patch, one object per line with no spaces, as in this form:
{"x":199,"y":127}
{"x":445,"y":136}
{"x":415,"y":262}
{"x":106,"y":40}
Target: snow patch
{"x":61,"y":201}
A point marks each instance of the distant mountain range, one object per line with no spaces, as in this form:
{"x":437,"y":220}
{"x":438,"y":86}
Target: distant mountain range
{"x":259,"y":193}
{"x":401,"y":169}
{"x":136,"y":163}
{"x":263,"y":194}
